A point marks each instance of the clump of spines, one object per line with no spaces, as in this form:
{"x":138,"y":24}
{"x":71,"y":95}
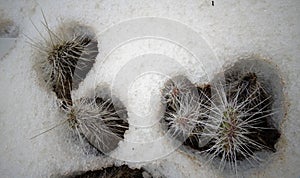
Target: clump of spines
{"x":251,"y":87}
{"x":183,"y":116}
{"x":64,"y":59}
{"x":239,"y":121}
{"x":63,"y":63}
{"x":174,"y":89}
{"x":97,"y":121}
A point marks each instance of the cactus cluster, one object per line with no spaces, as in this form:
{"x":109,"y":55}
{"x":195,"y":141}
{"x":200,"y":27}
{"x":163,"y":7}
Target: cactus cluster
{"x":64,"y":60}
{"x":228,"y":120}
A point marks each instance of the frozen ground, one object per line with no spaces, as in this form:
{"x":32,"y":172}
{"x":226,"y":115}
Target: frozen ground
{"x":141,"y":43}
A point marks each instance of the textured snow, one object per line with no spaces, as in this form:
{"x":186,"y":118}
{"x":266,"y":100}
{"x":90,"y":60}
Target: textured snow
{"x":135,"y":69}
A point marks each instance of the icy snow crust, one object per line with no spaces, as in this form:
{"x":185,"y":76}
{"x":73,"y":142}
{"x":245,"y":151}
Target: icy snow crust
{"x":141,"y":45}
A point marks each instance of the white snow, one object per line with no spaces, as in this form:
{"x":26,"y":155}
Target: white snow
{"x":141,"y":45}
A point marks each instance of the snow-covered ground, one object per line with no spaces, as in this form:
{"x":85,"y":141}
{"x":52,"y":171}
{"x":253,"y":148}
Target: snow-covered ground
{"x":141,"y":44}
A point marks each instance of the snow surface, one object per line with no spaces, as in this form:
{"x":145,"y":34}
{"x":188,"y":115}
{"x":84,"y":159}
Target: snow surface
{"x":141,"y":45}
